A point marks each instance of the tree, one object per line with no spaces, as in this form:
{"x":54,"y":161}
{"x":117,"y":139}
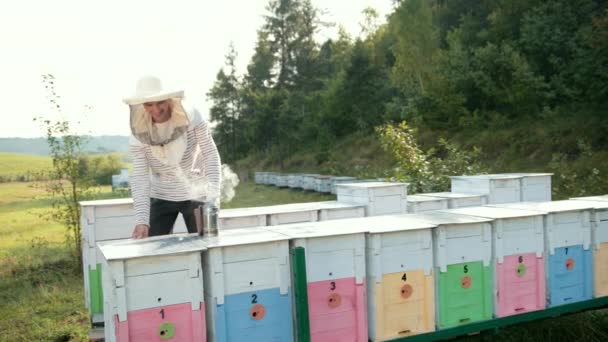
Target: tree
{"x":226,"y":109}
{"x":69,"y":184}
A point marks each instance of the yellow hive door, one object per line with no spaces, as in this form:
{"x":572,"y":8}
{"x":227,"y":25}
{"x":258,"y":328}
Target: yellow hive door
{"x":601,"y":270}
{"x":405,"y":304}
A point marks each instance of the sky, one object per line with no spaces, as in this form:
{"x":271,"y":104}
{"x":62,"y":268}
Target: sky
{"x":96,"y":50}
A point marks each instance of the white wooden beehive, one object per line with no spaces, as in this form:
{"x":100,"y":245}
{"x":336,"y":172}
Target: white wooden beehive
{"x":241,"y":261}
{"x":106,"y":220}
{"x":599,"y":224}
{"x":112,"y":220}
{"x":323,"y":183}
{"x":334,"y":249}
{"x":500,"y":188}
{"x":535,"y":187}
{"x":566,"y":223}
{"x":282,"y":181}
{"x":459,"y":200}
{"x":395,"y":244}
{"x":340,"y":180}
{"x":417,"y":204}
{"x":259,"y":177}
{"x":241,"y":218}
{"x":380,"y":198}
{"x":150,"y":273}
{"x":293,"y":180}
{"x":459,"y":238}
{"x":334,"y":210}
{"x":514,"y":231}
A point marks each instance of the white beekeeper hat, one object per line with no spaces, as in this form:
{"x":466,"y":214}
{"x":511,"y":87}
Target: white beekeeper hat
{"x":150,"y":89}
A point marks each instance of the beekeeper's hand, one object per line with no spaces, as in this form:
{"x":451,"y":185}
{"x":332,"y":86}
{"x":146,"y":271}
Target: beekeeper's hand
{"x":140,"y":231}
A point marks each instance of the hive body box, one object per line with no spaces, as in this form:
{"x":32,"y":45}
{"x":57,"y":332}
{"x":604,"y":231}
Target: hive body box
{"x":259,"y":177}
{"x":459,"y":200}
{"x":340,"y":180}
{"x":462,"y":247}
{"x":154,"y":289}
{"x":288,"y":213}
{"x":599,"y":233}
{"x":104,"y":220}
{"x":247,"y":289}
{"x":379,"y":198}
{"x":241,"y":218}
{"x":293,"y":180}
{"x":334,"y":254}
{"x":282,"y":181}
{"x":305,"y":181}
{"x":400,"y":281}
{"x":311,"y":212}
{"x":518,"y":258}
{"x":569,"y":259}
{"x":323,"y":183}
{"x":418,"y":204}
{"x":270,"y":178}
{"x":535,"y":187}
{"x":499,"y":188}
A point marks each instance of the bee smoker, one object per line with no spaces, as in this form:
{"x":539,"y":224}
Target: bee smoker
{"x":206,"y":217}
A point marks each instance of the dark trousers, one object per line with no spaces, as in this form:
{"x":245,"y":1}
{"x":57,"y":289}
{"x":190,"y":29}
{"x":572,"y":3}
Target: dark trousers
{"x":164,"y":213}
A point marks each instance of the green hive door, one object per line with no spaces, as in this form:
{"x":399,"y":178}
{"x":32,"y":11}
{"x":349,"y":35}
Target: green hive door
{"x":464,"y":294}
{"x":95,"y":290}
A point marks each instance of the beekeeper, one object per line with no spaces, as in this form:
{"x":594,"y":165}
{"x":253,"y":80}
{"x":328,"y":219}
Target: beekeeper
{"x":175,"y":160}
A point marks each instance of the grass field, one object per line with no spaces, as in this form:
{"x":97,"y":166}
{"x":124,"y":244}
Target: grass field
{"x":14,"y":164}
{"x":41,"y":292}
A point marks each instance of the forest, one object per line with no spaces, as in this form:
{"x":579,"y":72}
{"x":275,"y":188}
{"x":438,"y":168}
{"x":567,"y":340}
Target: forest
{"x":521,"y":85}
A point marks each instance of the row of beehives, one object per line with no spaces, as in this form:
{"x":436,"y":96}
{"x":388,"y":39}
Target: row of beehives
{"x":112,"y":219}
{"x":306,"y":181}
{"x":349,"y":280}
{"x":506,"y":185}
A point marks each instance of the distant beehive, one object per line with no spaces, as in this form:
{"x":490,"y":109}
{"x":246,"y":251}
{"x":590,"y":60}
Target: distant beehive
{"x":121,"y":180}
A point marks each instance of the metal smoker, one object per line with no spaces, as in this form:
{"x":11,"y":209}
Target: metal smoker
{"x":206,"y":217}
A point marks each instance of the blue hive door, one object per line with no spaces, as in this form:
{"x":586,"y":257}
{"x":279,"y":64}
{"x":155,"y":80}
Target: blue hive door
{"x":570,"y":275}
{"x":263,"y":315}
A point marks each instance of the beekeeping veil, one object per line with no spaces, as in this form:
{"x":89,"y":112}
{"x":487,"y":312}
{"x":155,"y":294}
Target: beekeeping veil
{"x":169,"y":142}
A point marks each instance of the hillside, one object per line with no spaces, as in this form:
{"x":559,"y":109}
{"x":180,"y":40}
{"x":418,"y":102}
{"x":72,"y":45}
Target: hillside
{"x":39,"y":146}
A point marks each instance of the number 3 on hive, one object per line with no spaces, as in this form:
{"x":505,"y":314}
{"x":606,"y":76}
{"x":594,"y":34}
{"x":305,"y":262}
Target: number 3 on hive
{"x":332,"y":285}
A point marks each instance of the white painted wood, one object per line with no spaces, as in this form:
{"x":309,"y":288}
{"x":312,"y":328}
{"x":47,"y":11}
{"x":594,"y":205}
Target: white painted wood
{"x":310,"y":215}
{"x":252,"y":264}
{"x":150,"y":273}
{"x":242,"y":222}
{"x":323,"y":183}
{"x":500,"y":188}
{"x":458,"y":200}
{"x":341,"y":213}
{"x":566,"y":223}
{"x":599,"y":218}
{"x":380,"y":198}
{"x":399,"y":251}
{"x":515,"y":231}
{"x":340,"y":180}
{"x":417,"y":204}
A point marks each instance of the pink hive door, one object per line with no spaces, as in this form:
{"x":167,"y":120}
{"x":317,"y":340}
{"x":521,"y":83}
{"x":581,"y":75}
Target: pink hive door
{"x":337,"y":311}
{"x":167,"y":323}
{"x":520,"y":283}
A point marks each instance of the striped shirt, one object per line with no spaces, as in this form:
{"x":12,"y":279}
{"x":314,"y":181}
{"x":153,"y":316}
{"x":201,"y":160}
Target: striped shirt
{"x":185,"y":181}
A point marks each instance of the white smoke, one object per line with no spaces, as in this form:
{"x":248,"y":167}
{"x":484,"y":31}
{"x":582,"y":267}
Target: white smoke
{"x":230,"y":180}
{"x":201,"y":191}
